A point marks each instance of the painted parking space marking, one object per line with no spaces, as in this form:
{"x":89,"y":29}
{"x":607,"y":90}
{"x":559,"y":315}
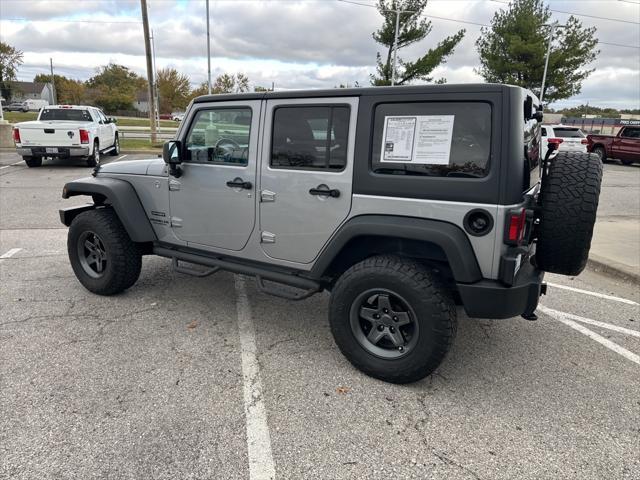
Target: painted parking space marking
{"x":261,"y":465}
{"x":595,"y":294}
{"x":595,"y":323}
{"x":121,"y":157}
{"x":592,"y":335}
{"x":12,"y":164}
{"x":10,"y":253}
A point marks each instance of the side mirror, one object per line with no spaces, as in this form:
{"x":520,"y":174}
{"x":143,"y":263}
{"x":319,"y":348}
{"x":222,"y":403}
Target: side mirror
{"x":538,"y":116}
{"x":172,"y":155}
{"x":112,"y":120}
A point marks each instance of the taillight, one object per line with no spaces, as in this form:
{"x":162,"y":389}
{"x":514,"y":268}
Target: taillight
{"x":16,"y":135}
{"x":84,"y":136}
{"x":517,"y":222}
{"x":584,"y":141}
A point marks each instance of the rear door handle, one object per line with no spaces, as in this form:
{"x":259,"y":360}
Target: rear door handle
{"x":324,"y":190}
{"x":239,"y":183}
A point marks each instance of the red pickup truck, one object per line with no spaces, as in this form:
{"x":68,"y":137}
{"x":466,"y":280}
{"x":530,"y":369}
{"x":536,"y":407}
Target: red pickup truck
{"x":625,"y":146}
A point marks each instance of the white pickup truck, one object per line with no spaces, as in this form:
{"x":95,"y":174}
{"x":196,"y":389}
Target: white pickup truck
{"x":65,"y":131}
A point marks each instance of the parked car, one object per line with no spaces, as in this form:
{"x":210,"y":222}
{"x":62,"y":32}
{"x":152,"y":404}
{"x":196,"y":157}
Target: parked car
{"x":399,"y":201}
{"x":178,"y":117}
{"x":67,"y":131}
{"x":625,"y":146}
{"x":565,"y":137}
{"x":16,"y":107}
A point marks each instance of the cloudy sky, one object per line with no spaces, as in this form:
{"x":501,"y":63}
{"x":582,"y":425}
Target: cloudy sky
{"x":294,"y":43}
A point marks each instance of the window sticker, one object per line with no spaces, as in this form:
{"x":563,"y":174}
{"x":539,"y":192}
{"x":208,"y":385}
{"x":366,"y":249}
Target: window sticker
{"x":421,"y":139}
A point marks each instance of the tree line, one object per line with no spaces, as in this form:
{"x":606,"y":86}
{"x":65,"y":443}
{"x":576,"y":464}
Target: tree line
{"x":511,"y":50}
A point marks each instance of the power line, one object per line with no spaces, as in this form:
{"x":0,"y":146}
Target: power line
{"x":581,"y":14}
{"x":468,"y":22}
{"x":69,"y":21}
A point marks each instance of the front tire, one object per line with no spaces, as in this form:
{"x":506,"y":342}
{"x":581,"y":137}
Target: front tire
{"x":93,"y":160}
{"x":103,"y":257}
{"x":33,"y":161}
{"x":390,"y":319}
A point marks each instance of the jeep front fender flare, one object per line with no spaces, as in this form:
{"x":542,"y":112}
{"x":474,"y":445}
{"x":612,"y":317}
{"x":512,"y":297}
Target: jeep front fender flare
{"x":121,"y":196}
{"x":449,"y":237}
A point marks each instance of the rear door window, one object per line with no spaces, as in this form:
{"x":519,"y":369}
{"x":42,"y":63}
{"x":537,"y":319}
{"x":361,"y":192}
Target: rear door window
{"x":631,"y":133}
{"x":568,"y":133}
{"x":310,"y":137}
{"x":441,"y":139}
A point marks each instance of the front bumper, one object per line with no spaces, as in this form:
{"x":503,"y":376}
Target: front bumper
{"x":493,"y":299}
{"x":61,"y":152}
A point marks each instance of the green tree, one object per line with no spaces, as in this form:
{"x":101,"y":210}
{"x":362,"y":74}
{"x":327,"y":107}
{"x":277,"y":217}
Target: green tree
{"x":10,"y":60}
{"x":227,"y":83}
{"x":114,"y":87}
{"x":413,"y":27}
{"x":68,"y":91}
{"x":174,"y":89}
{"x":512,"y":50}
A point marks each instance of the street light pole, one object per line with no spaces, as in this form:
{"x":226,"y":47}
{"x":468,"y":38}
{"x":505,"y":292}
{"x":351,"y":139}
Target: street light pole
{"x":208,"y":53}
{"x":552,"y":29}
{"x":395,"y":48}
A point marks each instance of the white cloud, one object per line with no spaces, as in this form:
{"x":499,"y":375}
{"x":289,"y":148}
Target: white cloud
{"x":296,"y":44}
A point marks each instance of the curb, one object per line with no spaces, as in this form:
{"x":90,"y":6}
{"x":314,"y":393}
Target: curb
{"x":612,"y":269}
{"x":144,"y":152}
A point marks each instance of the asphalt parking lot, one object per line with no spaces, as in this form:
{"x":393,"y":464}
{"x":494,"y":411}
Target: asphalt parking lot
{"x":183,"y":377}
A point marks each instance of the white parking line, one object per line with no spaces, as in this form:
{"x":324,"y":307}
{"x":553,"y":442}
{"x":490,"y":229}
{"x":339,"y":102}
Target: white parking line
{"x":120,"y":157}
{"x":261,"y":466}
{"x":10,"y":253}
{"x":595,"y":294}
{"x":596,"y":323}
{"x":12,"y":164}
{"x":593,"y":335}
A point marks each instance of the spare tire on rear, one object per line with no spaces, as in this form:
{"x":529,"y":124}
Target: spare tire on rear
{"x":568,"y":204}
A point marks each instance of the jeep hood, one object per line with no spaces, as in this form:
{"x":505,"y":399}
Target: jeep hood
{"x":153,"y":166}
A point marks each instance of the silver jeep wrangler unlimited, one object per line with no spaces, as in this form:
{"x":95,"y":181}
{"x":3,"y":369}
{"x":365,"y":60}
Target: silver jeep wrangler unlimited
{"x":402,"y":202}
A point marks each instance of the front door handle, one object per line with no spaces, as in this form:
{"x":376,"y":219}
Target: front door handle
{"x":239,"y":183}
{"x":324,"y":190}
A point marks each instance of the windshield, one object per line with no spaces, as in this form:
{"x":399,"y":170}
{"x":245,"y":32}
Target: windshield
{"x":65,"y":114}
{"x":568,"y":133}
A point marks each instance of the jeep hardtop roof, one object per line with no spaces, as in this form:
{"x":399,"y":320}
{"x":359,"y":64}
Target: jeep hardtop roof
{"x":366,"y":91}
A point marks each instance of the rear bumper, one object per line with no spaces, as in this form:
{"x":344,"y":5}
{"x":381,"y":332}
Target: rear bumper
{"x":62,"y":151}
{"x":493,"y":299}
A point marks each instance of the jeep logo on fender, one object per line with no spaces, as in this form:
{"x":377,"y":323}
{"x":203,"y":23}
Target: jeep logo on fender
{"x":70,"y":134}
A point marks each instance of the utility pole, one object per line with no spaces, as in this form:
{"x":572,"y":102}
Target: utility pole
{"x":395,"y":48}
{"x":208,"y":53}
{"x":552,"y":28}
{"x":155,"y":70}
{"x":150,"y":77}
{"x":53,"y":83}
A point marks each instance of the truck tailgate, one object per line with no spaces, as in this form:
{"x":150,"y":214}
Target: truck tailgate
{"x":45,"y":134}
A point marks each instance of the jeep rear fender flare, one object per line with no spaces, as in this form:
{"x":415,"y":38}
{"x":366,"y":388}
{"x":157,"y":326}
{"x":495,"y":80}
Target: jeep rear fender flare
{"x":122,"y":197}
{"x":450,"y":238}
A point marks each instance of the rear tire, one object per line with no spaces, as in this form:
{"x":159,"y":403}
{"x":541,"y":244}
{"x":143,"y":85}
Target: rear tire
{"x":601,"y":153}
{"x":569,"y":202}
{"x":93,"y":160}
{"x":416,"y":320}
{"x":103,"y":257}
{"x":627,"y":162}
{"x":116,"y":147}
{"x":33,"y":161}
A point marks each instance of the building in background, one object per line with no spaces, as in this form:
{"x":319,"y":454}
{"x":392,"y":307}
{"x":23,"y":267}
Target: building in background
{"x":23,"y":91}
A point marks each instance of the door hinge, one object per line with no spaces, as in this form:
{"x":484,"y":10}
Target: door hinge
{"x":267,"y":196}
{"x":267,"y":237}
{"x":174,"y":185}
{"x":176,"y":222}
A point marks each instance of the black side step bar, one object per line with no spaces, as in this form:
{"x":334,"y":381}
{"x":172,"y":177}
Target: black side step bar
{"x":310,"y":286}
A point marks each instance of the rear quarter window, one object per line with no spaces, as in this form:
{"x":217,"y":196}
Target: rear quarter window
{"x":437,"y":139}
